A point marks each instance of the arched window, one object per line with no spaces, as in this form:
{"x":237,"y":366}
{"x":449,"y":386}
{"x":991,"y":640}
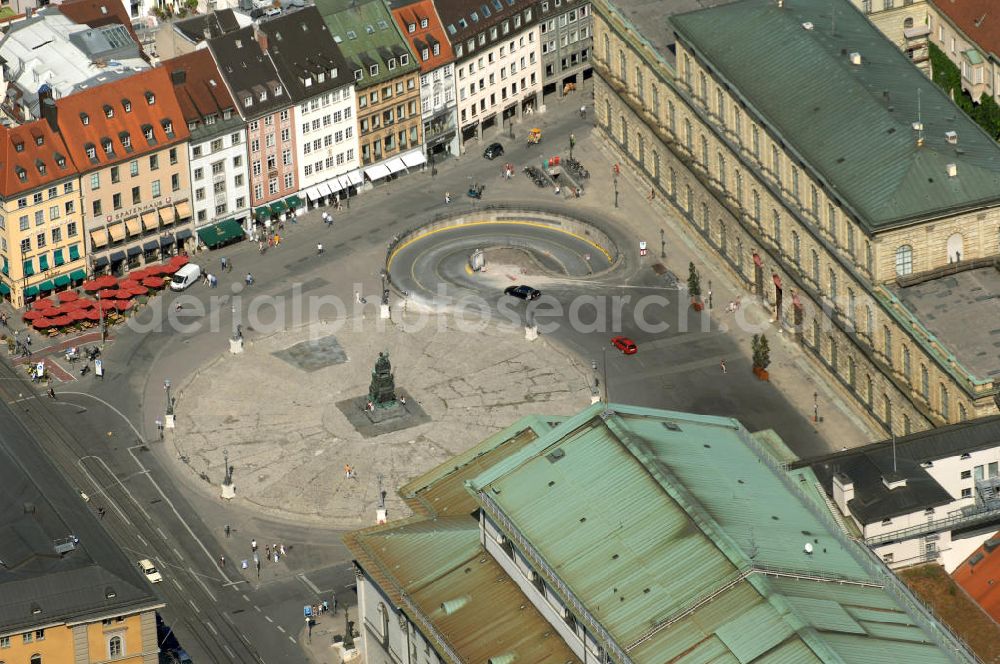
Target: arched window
{"x":739,"y":252}
{"x":907,"y":23}
{"x":622,"y":71}
{"x":671,"y":117}
{"x":116,"y":647}
{"x":943,"y":389}
{"x":639,"y":92}
{"x":35,"y":659}
{"x":656,"y":165}
{"x":833,"y":286}
{"x":904,"y":260}
{"x":722,"y":237}
{"x":852,"y":371}
{"x":607,"y":114}
{"x":796,"y":249}
{"x":704,"y":217}
{"x":607,"y":49}
{"x":869,"y":388}
{"x":907,"y":427}
{"x":688,"y":135}
{"x":641,"y":140}
{"x":887,"y":410}
{"x":739,"y":188}
{"x":756,"y":206}
{"x":815,"y":267}
{"x":624,"y":130}
{"x":722,"y":170}
{"x":704,"y":152}
{"x":776,"y":226}
{"x":925,"y":388}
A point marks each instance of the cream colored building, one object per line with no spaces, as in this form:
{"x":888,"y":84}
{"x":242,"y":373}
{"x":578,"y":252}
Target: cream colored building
{"x":821,"y":194}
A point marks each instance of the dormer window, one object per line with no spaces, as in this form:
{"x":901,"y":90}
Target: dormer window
{"x":91,"y":151}
{"x":248,"y":101}
{"x":373,"y":70}
{"x":412,"y":27}
{"x":150,"y":98}
{"x":18,"y":145}
{"x":392,"y":63}
{"x":226,"y":114}
{"x":109,"y":147}
{"x":404,"y":59}
{"x":263,"y":95}
{"x":423,"y":23}
{"x":60,"y":161}
{"x":127,"y":105}
{"x":437,"y":50}
{"x":475,"y":17}
{"x":333,"y":73}
{"x":358,"y":74}
{"x":306,"y":81}
{"x":320,"y":77}
{"x":192,"y":125}
{"x":147,"y":131}
{"x":168,"y":127}
{"x":22,"y":174}
{"x":85,"y":119}
{"x":40,"y":139}
{"x":40,"y":165}
{"x":108,"y":111}
{"x":277,"y":91}
{"x":210,"y":119}
{"x":126,"y":139}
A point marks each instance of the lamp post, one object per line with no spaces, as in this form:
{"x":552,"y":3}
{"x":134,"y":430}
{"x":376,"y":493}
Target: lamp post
{"x":572,"y":144}
{"x":616,"y":190}
{"x":663,"y":245}
{"x":170,"y":403}
{"x":100,"y":320}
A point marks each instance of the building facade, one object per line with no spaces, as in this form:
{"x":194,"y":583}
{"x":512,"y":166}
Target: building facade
{"x":819,"y":250}
{"x":263,"y":102}
{"x":320,"y":82}
{"x":128,"y":139}
{"x":967,"y":33}
{"x":41,"y":235}
{"x":498,"y":63}
{"x":419,"y":22}
{"x":906,"y":23}
{"x":217,"y":157}
{"x":386,"y":80}
{"x":567,"y":40}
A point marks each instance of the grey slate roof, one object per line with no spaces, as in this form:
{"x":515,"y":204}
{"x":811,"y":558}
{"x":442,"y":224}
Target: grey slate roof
{"x":37,"y":508}
{"x":248,"y":71}
{"x":300,"y":45}
{"x":218,"y":23}
{"x":866,"y":466}
{"x":851,"y":123}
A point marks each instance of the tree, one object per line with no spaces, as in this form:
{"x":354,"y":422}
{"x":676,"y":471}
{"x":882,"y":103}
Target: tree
{"x":764,"y":353}
{"x":694,"y":281}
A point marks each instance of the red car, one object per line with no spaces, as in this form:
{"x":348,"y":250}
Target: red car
{"x":625,"y":345}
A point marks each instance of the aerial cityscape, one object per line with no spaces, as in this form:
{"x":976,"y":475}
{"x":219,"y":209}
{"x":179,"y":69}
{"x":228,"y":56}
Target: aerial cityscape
{"x":500,"y":331}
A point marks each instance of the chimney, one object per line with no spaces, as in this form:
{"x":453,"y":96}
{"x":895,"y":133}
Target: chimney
{"x":855,"y":58}
{"x":207,"y":30}
{"x":50,"y":113}
{"x":952,"y":170}
{"x":843,"y":492}
{"x":260,"y":36}
{"x":178,"y":76}
{"x":952,"y":137}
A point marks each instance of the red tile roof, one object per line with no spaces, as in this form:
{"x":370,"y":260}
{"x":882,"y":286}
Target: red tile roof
{"x":982,"y":580}
{"x":141,"y":103}
{"x":199,"y":86}
{"x":28,"y":150}
{"x":98,"y":13}
{"x":978,"y":19}
{"x":423,"y":38}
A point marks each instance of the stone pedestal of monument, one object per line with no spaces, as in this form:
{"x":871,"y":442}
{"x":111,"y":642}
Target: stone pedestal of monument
{"x":383,"y":311}
{"x":168,"y":421}
{"x":236,"y":346}
{"x":228,"y":491}
{"x":530,"y":332}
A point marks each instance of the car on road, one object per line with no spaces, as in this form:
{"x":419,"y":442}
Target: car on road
{"x":493,"y":151}
{"x":625,"y":345}
{"x":523,"y":292}
{"x":180,"y":656}
{"x":149,"y":571}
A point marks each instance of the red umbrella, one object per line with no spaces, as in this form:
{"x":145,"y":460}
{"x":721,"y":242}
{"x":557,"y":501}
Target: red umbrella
{"x":78,"y":314}
{"x":128,"y":283}
{"x":41,"y":323}
{"x":154,"y":270}
{"x":104,"y":305}
{"x":85,"y":304}
{"x":153,"y":282}
{"x":93,"y":314}
{"x":33,"y":314}
{"x":107,"y":281}
{"x":137,"y":275}
{"x":138,"y":290}
{"x":91,"y":286}
{"x":170,"y":269}
{"x":43,"y":303}
{"x":122,"y":294}
{"x":107,"y":293}
{"x":55,"y":311}
{"x":180,"y":260}
{"x":61,"y":321}
{"x":122,"y":305}
{"x":68,"y":296}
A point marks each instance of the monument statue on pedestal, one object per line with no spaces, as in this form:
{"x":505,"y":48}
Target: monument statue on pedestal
{"x":382,"y":391}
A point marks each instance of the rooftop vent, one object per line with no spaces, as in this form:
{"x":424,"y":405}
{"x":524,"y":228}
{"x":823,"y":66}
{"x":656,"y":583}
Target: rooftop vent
{"x":109,"y":593}
{"x":952,"y":170}
{"x":555,"y":455}
{"x":951,"y":137}
{"x":66,"y":544}
{"x":807,"y":25}
{"x":453,"y":605}
{"x":808,"y":548}
{"x":29,"y":508}
{"x":893,"y":481}
{"x":855,"y":58}
{"x":918,"y":126}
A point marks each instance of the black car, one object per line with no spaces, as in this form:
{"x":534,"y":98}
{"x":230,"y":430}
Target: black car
{"x":493,"y":151}
{"x":523,"y":292}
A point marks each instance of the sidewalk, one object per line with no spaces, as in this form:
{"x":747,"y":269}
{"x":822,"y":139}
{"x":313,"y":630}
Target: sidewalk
{"x":792,"y":371}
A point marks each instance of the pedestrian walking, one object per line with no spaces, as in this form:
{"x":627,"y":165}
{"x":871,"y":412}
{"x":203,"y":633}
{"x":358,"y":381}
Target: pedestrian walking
{"x":583,"y":111}
{"x":248,"y":279}
{"x":100,"y":512}
{"x":283,"y":549}
{"x":223,"y":263}
{"x":722,"y":365}
{"x":326,"y":606}
{"x":652,"y":194}
{"x":333,"y":596}
{"x":222,"y":561}
{"x":319,"y":248}
{"x":52,"y":393}
{"x":228,"y":530}
{"x":357,"y":297}
{"x":447,"y":198}
{"x":267,"y":551}
{"x":253,"y":545}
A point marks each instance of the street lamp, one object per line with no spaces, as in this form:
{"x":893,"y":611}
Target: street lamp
{"x":100,"y":320}
{"x":170,"y":402}
{"x":616,"y":191}
{"x":663,"y":245}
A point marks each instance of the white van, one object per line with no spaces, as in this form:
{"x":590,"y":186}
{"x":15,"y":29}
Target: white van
{"x":185,"y":276}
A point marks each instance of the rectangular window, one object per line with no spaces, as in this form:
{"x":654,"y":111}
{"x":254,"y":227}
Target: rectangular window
{"x":133,"y":168}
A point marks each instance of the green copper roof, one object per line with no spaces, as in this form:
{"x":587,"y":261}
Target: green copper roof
{"x":670,"y":529}
{"x":367,"y":36}
{"x":851,"y":123}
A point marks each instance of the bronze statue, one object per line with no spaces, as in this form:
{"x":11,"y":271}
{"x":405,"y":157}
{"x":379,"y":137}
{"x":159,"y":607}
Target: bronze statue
{"x":382,"y":391}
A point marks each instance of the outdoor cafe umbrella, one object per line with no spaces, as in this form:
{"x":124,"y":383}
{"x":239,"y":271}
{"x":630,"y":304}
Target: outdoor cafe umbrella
{"x":104,"y":305}
{"x":93,"y":314}
{"x":41,"y":323}
{"x":137,"y":289}
{"x":107,"y":281}
{"x":154,"y":270}
{"x":153,"y":282}
{"x":68,"y":296}
{"x":128,"y":283}
{"x":78,"y":314}
{"x":33,"y":314}
{"x":91,"y":286}
{"x":137,"y":275}
{"x":107,"y":293}
{"x":122,"y":305}
{"x":85,"y":304}
{"x":61,"y":321}
{"x":170,"y":269}
{"x":43,"y":304}
{"x":180,"y":260}
{"x":122,"y":294}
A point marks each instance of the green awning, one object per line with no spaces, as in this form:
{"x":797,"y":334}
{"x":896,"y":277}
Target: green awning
{"x":294,"y":202}
{"x":57,"y":257}
{"x":29,"y":267}
{"x":278,"y":207}
{"x":43,"y":262}
{"x":5,"y":269}
{"x":31,"y":291}
{"x":61,"y":280}
{"x":262,"y":213}
{"x":77,"y":275}
{"x":74,"y":252}
{"x":221,"y":233}
{"x":46,"y":285}
{"x":4,"y":289}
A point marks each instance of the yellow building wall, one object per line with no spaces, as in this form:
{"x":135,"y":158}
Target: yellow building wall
{"x":137,"y":631}
{"x":129,"y":629}
{"x":55,"y":648}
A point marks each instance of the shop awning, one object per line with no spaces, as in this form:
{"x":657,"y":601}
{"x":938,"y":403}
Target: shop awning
{"x":43,"y":262}
{"x":150,"y":220}
{"x":77,"y":275}
{"x":334,"y":184}
{"x":101,"y":261}
{"x":117,"y":232}
{"x":294,"y":202}
{"x":325,"y":190}
{"x":313,"y":193}
{"x":183,"y":210}
{"x":166,"y":240}
{"x":183,"y":234}
{"x":133,"y":226}
{"x":4,"y":289}
{"x":31,"y":291}
{"x":57,"y":257}
{"x":74,"y":252}
{"x":133,"y":251}
{"x":46,"y":285}
{"x":377,"y":172}
{"x":395,"y":165}
{"x":262,"y":213}
{"x":117,"y":256}
{"x":221,"y":233}
{"x":99,"y":238}
{"x":414,"y":158}
{"x":29,"y":267}
{"x":277,"y":207}
{"x":150,"y":246}
{"x":354,"y":177}
{"x":167,"y":215}
{"x":61,"y":280}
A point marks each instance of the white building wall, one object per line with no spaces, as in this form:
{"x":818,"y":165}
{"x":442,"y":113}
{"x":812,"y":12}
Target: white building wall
{"x":495,"y":78}
{"x":437,"y":98}
{"x":219,"y":182}
{"x":948,"y":472}
{"x":326,"y":139}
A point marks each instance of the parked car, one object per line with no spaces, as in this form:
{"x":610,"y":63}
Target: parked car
{"x":149,"y":571}
{"x":523,"y":292}
{"x":625,"y":345}
{"x":493,"y":151}
{"x":185,"y":276}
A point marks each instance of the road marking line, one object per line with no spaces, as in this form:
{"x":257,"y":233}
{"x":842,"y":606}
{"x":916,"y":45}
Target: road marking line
{"x":119,"y":482}
{"x":197,"y":577}
{"x":141,"y":539}
{"x":256,"y":608}
{"x":209,"y":625}
{"x":281,"y":629}
{"x":194,"y":606}
{"x":246,"y":598}
{"x":177,"y":553}
{"x":177,"y":583}
{"x":309,"y":584}
{"x":268,"y":619}
{"x":292,"y":639}
{"x":162,"y":534}
{"x":100,"y":490}
{"x":245,"y":638}
{"x":229,"y":651}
